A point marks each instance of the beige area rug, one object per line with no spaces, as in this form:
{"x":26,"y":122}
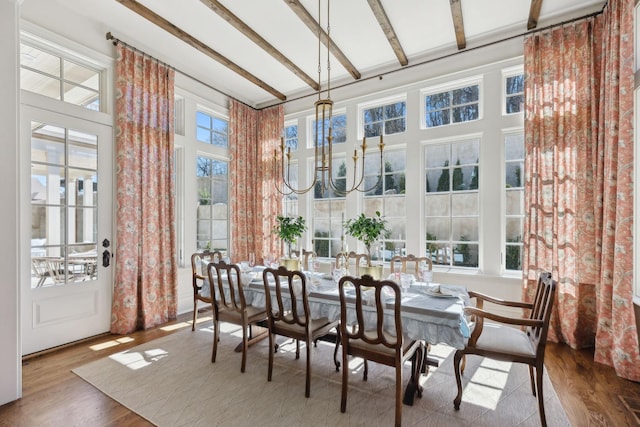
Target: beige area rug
{"x":172,"y":382}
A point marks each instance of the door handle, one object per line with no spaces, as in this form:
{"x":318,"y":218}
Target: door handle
{"x":106,"y":258}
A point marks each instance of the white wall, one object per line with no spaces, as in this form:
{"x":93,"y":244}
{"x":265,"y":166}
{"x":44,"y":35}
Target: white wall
{"x":10,"y":366}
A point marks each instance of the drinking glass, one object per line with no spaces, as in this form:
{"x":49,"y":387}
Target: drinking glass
{"x":252,"y":260}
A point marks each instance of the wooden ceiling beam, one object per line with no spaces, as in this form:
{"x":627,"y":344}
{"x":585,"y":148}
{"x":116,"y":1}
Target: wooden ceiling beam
{"x":458,"y":24}
{"x":238,"y":24}
{"x":387,"y":29}
{"x":197,"y":44}
{"x":306,"y":17}
{"x":534,"y":14}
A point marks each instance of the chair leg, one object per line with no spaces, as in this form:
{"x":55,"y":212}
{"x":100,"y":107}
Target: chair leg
{"x":216,"y":338}
{"x":456,"y":367}
{"x":539,"y":372}
{"x":533,"y":380}
{"x":195,"y":313}
{"x":245,"y":347}
{"x":335,"y":350}
{"x":271,"y":351}
{"x":307,"y":387}
{"x":345,"y":380}
{"x":398,"y":422}
{"x":365,"y":373}
{"x":297,"y":349}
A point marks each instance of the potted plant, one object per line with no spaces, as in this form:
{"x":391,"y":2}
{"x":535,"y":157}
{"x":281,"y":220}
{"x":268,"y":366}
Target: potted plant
{"x":290,"y":229}
{"x":368,"y":229}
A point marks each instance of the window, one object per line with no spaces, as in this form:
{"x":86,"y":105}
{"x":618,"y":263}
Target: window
{"x":388,"y":197}
{"x":56,"y":77}
{"x":514,"y":92}
{"x":290,"y":199}
{"x":338,"y":129}
{"x":452,"y":203}
{"x":328,"y":213}
{"x":212,"y":130}
{"x":452,"y":106}
{"x":64,"y":211}
{"x":291,"y":137}
{"x":514,"y":200}
{"x":213,"y":208}
{"x":385,"y":120}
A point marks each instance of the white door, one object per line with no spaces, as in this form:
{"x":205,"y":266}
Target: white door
{"x":66,"y":224}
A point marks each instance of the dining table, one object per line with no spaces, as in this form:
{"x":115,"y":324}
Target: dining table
{"x":430,"y":312}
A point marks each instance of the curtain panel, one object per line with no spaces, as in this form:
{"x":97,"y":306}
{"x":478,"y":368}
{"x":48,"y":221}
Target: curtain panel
{"x":578,"y":181}
{"x":145,"y":290}
{"x":254,"y":201}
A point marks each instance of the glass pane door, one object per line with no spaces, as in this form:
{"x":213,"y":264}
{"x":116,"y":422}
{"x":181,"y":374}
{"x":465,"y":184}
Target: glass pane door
{"x":64,"y":212}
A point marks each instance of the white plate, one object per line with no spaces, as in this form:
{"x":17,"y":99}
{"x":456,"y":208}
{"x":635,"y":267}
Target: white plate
{"x":438,"y":294}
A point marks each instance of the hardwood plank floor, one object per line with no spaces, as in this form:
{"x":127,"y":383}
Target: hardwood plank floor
{"x":54,"y":396}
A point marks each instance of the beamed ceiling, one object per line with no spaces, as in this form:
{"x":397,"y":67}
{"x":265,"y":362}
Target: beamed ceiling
{"x":266,"y":51}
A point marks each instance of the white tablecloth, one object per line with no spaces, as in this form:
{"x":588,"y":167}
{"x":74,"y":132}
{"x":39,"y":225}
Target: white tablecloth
{"x":424,"y":317}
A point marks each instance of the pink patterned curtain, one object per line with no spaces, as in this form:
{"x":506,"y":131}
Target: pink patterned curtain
{"x":578,"y":185}
{"x":146,"y":277}
{"x":254,"y":201}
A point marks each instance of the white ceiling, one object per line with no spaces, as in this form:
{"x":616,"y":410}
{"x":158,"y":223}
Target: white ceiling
{"x":424,"y":29}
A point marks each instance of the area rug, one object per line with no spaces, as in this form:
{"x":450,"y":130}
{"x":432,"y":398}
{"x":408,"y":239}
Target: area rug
{"x":171,"y":382}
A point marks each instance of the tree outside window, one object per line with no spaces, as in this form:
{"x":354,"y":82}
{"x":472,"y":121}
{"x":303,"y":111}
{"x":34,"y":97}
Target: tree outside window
{"x":452,"y":203}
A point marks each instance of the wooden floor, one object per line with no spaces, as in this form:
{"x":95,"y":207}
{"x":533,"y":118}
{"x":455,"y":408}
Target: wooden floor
{"x":54,"y":396}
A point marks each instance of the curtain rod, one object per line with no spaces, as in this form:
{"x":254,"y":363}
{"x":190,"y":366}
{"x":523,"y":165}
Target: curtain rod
{"x":116,"y":40}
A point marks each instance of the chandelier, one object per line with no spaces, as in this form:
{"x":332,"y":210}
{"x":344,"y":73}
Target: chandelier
{"x":323,"y":140}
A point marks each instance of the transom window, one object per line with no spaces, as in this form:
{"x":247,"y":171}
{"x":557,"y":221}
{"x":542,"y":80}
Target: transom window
{"x":212,"y":129}
{"x":452,"y":203}
{"x":338,"y":129}
{"x":385,"y":119}
{"x":457,"y":105}
{"x":291,"y":137}
{"x":514,"y":93}
{"x":213,"y":204}
{"x":56,"y":77}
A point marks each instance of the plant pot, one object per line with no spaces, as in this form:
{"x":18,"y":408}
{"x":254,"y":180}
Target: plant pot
{"x":290,"y":263}
{"x":374,"y":271}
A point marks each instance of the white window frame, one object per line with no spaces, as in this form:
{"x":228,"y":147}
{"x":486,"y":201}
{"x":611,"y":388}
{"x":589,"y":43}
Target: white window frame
{"x":506,"y":73}
{"x":310,"y":128}
{"x":503,"y":222}
{"x":66,"y":49}
{"x":381,"y":102}
{"x":447,"y":87}
{"x":214,"y":114}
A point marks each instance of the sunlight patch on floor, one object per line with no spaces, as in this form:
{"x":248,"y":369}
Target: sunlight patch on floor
{"x":176,"y":326}
{"x":110,"y":343}
{"x":138,"y":360}
{"x":487,"y":384}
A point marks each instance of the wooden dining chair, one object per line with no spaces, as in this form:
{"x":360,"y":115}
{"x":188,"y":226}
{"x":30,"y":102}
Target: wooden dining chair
{"x":351,"y":261}
{"x":502,"y":341}
{"x":303,"y":255}
{"x":229,"y":305}
{"x":371,"y":335}
{"x":410,"y":264}
{"x":200,"y":279}
{"x":288,"y":315}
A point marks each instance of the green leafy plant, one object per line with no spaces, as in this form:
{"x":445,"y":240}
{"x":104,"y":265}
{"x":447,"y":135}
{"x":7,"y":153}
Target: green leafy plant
{"x":367,"y":229}
{"x":289,"y":229}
